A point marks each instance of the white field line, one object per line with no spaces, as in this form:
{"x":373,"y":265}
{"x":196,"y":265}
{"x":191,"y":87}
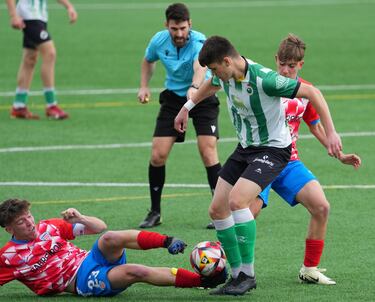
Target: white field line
{"x":144,"y":185}
{"x":146,"y":144}
{"x":210,"y":5}
{"x":119,"y":91}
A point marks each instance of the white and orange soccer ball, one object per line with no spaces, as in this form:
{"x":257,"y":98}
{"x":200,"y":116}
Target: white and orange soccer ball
{"x":208,"y":258}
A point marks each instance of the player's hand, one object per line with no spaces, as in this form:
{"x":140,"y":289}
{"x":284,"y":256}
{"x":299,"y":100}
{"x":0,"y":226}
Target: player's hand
{"x":73,"y":16}
{"x":350,"y":159}
{"x":174,"y":245}
{"x":181,"y":120}
{"x":144,"y":95}
{"x":334,"y":145}
{"x":71,"y":215}
{"x":17,"y":22}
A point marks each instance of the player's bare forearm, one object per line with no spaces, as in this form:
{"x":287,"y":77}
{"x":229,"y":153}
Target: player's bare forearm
{"x":334,"y":145}
{"x":318,"y":131}
{"x":350,"y":159}
{"x":347,"y":159}
{"x":181,"y":120}
{"x":147,"y":70}
{"x":199,"y":74}
{"x":11,"y":7}
{"x":93,"y":225}
{"x":205,"y":90}
{"x":73,"y":16}
{"x":15,"y":20}
{"x":198,"y":78}
{"x":65,"y":3}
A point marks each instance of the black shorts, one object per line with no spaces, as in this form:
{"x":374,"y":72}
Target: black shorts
{"x":204,"y":115}
{"x":258,"y":164}
{"x":35,"y":33}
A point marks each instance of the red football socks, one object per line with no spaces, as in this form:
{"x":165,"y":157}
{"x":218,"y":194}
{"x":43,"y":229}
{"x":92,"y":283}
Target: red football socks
{"x":150,"y":240}
{"x":313,"y":252}
{"x":185,"y":278}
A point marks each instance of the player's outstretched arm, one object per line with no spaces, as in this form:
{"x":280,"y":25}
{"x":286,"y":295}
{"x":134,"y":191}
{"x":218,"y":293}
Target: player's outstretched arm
{"x":15,"y":21}
{"x":334,"y":145}
{"x":93,"y":225}
{"x":147,"y":70}
{"x":198,"y":79}
{"x":350,"y":159}
{"x":73,"y":16}
{"x":318,"y":131}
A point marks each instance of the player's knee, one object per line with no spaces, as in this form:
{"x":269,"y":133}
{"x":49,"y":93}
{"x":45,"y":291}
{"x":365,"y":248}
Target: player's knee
{"x":236,"y":202}
{"x":30,"y":60}
{"x":215,"y":211}
{"x":209,"y":155}
{"x":212,"y":212}
{"x":255,"y":207}
{"x":110,"y":239}
{"x":322,"y":210}
{"x":325,"y":208}
{"x":209,"y":158}
{"x":50,"y":56}
{"x":158,"y":159}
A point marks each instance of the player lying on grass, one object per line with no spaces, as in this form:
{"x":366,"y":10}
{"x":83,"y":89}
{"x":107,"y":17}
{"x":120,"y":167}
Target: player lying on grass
{"x":296,"y":184}
{"x":41,"y":257}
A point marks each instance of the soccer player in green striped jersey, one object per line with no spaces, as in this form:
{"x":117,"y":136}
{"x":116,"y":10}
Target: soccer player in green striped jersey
{"x":256,"y":111}
{"x":31,"y":17}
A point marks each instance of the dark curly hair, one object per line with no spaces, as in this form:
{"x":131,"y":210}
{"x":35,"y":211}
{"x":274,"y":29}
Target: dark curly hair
{"x":177,"y":12}
{"x":12,"y":208}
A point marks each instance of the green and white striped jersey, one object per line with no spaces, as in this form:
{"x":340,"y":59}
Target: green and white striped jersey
{"x":32,"y":10}
{"x":255,"y":106}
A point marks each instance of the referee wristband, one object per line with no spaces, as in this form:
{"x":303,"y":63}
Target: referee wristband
{"x":189,"y":105}
{"x":194,"y":86}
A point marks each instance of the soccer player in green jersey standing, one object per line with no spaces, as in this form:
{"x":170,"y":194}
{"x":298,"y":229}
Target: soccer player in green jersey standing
{"x":254,"y":104}
{"x":31,"y":17}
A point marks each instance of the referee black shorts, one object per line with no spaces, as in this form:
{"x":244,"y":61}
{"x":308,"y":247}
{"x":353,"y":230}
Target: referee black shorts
{"x":258,"y":164}
{"x":35,"y":33}
{"x":204,"y":116}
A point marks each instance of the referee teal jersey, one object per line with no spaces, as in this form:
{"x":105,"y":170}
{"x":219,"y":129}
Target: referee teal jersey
{"x":178,"y":62}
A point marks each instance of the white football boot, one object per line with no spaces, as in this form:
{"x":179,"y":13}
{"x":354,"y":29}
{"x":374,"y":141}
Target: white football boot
{"x":314,"y":275}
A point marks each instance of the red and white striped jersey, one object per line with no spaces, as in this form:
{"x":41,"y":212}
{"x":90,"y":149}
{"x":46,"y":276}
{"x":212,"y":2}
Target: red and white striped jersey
{"x":46,"y":264}
{"x":295,"y":110}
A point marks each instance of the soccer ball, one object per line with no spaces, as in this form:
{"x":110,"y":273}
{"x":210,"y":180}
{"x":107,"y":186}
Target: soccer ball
{"x":208,"y":258}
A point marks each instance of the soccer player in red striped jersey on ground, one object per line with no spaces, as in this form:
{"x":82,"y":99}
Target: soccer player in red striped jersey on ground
{"x":41,"y":257}
{"x":296,"y":184}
